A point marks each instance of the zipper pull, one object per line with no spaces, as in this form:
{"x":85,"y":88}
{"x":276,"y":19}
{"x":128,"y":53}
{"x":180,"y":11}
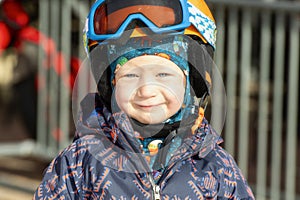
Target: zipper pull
{"x":156,"y":192}
{"x":156,"y":188}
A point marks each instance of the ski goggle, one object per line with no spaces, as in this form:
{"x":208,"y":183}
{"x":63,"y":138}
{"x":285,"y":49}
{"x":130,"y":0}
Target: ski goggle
{"x":110,"y":18}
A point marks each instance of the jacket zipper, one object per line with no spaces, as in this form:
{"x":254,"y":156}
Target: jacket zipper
{"x":155,"y":187}
{"x":161,"y":161}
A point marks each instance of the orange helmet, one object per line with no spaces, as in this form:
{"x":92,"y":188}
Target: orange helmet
{"x":108,"y":20}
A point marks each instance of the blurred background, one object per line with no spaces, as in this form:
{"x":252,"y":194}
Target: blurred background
{"x":257,"y":55}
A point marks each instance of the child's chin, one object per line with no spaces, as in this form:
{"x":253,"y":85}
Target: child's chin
{"x":153,"y":120}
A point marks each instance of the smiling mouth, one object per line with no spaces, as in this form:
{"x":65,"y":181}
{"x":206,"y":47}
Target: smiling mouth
{"x":148,"y":107}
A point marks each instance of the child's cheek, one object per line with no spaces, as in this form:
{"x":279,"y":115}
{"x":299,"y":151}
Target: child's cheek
{"x":123,"y":94}
{"x":176,"y":93}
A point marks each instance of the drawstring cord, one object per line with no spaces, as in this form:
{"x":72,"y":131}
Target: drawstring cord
{"x":198,"y":121}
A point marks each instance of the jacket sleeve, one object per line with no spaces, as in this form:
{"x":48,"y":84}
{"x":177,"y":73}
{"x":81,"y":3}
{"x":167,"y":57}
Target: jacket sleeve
{"x":232,"y":184}
{"x":61,"y":178}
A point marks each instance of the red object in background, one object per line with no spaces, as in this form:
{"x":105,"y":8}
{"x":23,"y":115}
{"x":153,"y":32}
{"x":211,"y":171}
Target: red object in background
{"x":14,"y":12}
{"x":57,"y":134}
{"x":15,"y":28}
{"x":75,"y":65}
{"x":5,"y":36}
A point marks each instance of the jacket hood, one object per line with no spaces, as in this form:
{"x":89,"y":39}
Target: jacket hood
{"x":116,"y":134}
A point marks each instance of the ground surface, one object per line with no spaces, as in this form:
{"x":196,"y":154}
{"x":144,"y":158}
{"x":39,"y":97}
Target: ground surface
{"x":19,"y":175}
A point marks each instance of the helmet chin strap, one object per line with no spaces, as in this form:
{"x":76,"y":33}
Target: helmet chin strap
{"x":204,"y":101}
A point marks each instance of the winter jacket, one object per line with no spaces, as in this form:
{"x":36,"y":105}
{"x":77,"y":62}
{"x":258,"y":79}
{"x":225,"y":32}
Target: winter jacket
{"x":104,"y":162}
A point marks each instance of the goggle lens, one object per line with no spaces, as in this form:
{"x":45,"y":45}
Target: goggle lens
{"x":108,"y":17}
{"x":100,"y":20}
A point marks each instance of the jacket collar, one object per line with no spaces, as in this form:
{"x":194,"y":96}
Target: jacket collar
{"x":96,"y":119}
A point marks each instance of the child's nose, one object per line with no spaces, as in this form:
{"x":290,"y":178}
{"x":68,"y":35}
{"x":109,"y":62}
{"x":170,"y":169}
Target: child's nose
{"x":147,"y":90}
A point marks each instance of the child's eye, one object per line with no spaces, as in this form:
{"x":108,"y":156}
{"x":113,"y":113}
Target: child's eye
{"x":163,"y":74}
{"x":130,"y":75}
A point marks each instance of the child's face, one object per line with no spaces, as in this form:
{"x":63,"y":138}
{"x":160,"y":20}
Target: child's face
{"x":150,"y":88}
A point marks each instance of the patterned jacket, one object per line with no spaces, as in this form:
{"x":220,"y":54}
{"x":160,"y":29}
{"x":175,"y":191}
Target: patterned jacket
{"x":104,"y":162}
